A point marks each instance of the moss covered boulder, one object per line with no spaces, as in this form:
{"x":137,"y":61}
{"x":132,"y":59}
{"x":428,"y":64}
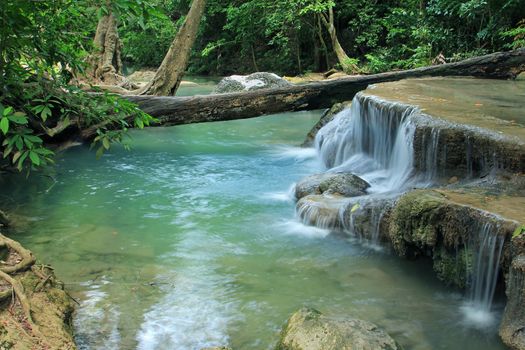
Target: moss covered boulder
{"x":308,"y":329}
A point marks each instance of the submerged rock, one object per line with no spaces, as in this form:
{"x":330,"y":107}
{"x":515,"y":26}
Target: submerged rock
{"x":308,"y":329}
{"x":255,"y":81}
{"x":344,"y":184}
{"x":512,"y":328}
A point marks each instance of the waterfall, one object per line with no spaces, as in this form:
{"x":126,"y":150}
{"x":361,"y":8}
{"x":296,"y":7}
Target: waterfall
{"x":483,"y":275}
{"x":373,"y":139}
{"x":486,"y":268}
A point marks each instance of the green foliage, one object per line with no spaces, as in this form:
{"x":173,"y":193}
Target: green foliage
{"x":41,"y":48}
{"x":283,"y":36}
{"x":517,"y":34}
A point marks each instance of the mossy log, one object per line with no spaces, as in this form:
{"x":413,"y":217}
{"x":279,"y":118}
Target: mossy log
{"x":183,"y":110}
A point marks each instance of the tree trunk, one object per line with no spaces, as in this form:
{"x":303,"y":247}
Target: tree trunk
{"x":240,"y":105}
{"x":321,"y":40}
{"x":170,"y":73}
{"x":105,"y":62}
{"x":342,"y":57}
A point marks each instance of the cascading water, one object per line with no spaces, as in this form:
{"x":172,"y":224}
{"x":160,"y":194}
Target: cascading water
{"x":372,"y":139}
{"x":484,"y":276}
{"x":375,"y":140}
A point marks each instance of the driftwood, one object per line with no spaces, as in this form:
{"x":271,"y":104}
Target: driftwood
{"x":172,"y":110}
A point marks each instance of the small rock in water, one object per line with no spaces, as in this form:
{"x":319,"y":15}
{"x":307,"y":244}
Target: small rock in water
{"x":344,"y":184}
{"x":309,"y":329}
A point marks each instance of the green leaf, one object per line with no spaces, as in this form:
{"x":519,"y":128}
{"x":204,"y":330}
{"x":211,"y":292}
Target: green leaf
{"x":4,"y":125}
{"x":100,"y":151}
{"x":519,"y":230}
{"x":354,"y":207}
{"x":22,"y":159}
{"x":105,"y":143}
{"x":139,"y":123}
{"x":18,"y":118}
{"x":35,"y":159}
{"x":46,"y":112}
{"x":7,"y":111}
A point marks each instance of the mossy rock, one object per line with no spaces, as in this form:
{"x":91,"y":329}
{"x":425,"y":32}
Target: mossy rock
{"x":309,"y":329}
{"x":454,"y":267}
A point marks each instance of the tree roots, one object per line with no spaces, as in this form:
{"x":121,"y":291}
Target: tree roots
{"x":19,"y":260}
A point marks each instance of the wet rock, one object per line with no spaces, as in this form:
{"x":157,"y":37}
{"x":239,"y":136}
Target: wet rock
{"x":344,"y":184}
{"x":255,"y":81}
{"x":512,"y":328}
{"x":368,"y":217}
{"x":321,"y":211}
{"x":427,"y":223}
{"x":327,"y":117}
{"x":308,"y":329}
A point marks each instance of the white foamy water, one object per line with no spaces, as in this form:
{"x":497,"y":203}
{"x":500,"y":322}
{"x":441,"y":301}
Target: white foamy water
{"x":197,"y":308}
{"x":372,"y":140}
{"x":99,"y":319}
{"x":296,"y":153}
{"x":477,"y":317}
{"x":294,"y":227}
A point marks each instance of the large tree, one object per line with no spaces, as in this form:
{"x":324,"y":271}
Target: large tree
{"x":169,"y":75}
{"x":105,"y":63}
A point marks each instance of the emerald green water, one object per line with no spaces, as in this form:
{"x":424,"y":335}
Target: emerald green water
{"x":189,"y":240}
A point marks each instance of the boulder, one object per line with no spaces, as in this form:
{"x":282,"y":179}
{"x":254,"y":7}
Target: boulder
{"x":255,"y":81}
{"x":344,"y":184}
{"x":308,"y":329}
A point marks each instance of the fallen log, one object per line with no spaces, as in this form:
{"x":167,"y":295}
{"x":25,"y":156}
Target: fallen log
{"x":172,"y":110}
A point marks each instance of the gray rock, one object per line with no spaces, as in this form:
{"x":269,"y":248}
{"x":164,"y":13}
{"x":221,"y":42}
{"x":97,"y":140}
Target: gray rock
{"x":255,"y":81}
{"x":344,"y":184}
{"x":512,"y":328}
{"x":308,"y":329}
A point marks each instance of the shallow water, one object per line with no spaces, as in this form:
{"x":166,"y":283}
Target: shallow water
{"x":190,"y":240}
{"x":487,"y":103}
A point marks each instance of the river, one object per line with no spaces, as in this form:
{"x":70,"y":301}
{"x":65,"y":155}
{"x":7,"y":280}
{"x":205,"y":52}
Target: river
{"x":191,"y":240}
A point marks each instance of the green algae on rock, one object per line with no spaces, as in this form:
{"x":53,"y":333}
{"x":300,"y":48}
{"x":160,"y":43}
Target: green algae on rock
{"x":309,"y":329}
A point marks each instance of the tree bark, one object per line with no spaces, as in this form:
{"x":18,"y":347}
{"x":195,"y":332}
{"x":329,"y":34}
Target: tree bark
{"x":169,"y":75}
{"x":105,"y":63}
{"x":342,"y":57}
{"x":196,"y":109}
